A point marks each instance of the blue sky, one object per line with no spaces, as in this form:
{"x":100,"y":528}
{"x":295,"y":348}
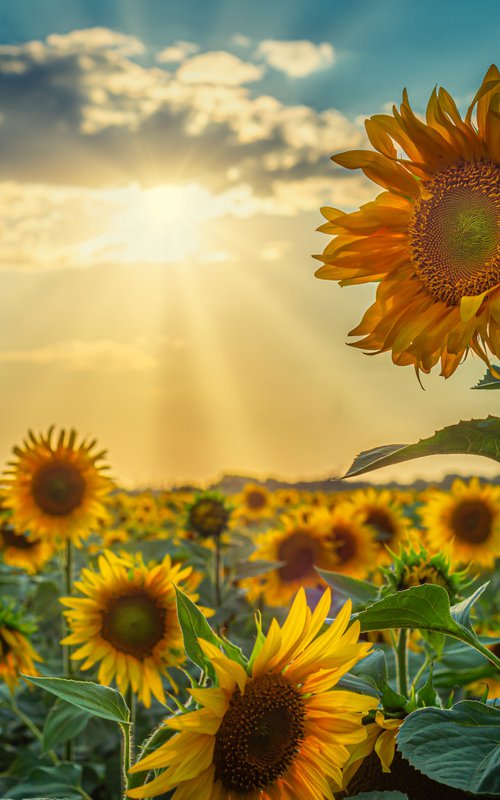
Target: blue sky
{"x":159,"y":211}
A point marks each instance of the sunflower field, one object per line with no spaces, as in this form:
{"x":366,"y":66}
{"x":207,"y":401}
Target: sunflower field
{"x":267,"y":642}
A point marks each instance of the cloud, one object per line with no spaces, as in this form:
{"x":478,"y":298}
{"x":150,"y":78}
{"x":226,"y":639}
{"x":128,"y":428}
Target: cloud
{"x":296,"y":58}
{"x":219,"y":68}
{"x":177,"y":52}
{"x":241,"y":41}
{"x":88,"y":356}
{"x":76,"y":109}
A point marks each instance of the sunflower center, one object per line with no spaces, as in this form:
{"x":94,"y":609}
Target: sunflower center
{"x":259,"y":735}
{"x":383,"y":524}
{"x":133,"y":624}
{"x":298,"y":551}
{"x":10,"y":538}
{"x":255,"y":500}
{"x":454,"y":235}
{"x":471,"y":521}
{"x":58,"y":488}
{"x":344,"y":543}
{"x":419,"y":574}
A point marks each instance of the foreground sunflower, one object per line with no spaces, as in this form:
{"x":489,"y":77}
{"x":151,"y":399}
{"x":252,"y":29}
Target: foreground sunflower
{"x":432,"y":238}
{"x":466,"y":520}
{"x":303,"y":543}
{"x":16,"y":653}
{"x":275,"y":730}
{"x":128,"y":621}
{"x":56,"y":487}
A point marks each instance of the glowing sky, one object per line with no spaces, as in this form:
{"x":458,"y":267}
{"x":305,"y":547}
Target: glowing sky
{"x":162,"y":169}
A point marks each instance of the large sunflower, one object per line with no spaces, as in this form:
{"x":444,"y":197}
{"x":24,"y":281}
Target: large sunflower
{"x":465,"y":520}
{"x":16,"y":653}
{"x":432,"y":238}
{"x":275,"y":730}
{"x":303,"y":543}
{"x":128,"y":621}
{"x":56,"y":487}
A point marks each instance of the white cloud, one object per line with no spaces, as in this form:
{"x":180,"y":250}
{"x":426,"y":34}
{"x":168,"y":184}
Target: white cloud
{"x":177,"y":52}
{"x":241,"y":41}
{"x":273,"y":251}
{"x":296,"y":58}
{"x":219,"y":68}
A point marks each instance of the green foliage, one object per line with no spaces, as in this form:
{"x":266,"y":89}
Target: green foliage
{"x":59,"y":782}
{"x":100,"y":701}
{"x":456,"y":746}
{"x":424,"y":607}
{"x":361,"y":593}
{"x":476,"y":437}
{"x":64,"y":722}
{"x":489,"y":381}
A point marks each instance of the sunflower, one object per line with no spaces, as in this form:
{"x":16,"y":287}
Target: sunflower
{"x":255,"y":503}
{"x":56,"y":488}
{"x":466,"y":520}
{"x":303,"y":543}
{"x":19,"y":550}
{"x":381,"y":512}
{"x":16,"y":653}
{"x":274,"y":729}
{"x":128,"y":621}
{"x":412,"y":567}
{"x":431,"y":239}
{"x":374,"y":753}
{"x":208,"y":515}
{"x":354,"y":543}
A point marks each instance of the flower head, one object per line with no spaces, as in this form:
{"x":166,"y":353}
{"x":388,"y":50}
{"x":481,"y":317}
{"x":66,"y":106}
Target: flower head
{"x":56,"y":487}
{"x":128,"y":622}
{"x":16,"y":653}
{"x":431,"y":239}
{"x":273,"y":729}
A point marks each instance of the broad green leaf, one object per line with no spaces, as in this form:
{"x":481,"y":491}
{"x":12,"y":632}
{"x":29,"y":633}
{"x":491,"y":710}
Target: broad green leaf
{"x":362,"y":593}
{"x":457,"y":746}
{"x":64,"y":721}
{"x":461,"y":611}
{"x":100,"y":701}
{"x":475,"y":437}
{"x":248,"y":569}
{"x":388,"y":795}
{"x":56,"y":782}
{"x":459,"y":665}
{"x":372,"y":668}
{"x":424,"y":607}
{"x":489,"y":381}
{"x":195,"y":626}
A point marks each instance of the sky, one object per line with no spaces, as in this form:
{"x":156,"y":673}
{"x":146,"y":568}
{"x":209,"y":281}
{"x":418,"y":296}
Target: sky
{"x":162,"y":167}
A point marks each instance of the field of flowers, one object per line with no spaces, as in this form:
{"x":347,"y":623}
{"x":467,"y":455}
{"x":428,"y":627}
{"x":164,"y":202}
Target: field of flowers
{"x":282,"y":645}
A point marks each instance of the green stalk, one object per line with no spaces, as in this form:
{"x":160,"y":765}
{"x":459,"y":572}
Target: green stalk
{"x":217,"y":576}
{"x":402,"y":662}
{"x":67,"y":665}
{"x":35,"y":730}
{"x":127,"y":750}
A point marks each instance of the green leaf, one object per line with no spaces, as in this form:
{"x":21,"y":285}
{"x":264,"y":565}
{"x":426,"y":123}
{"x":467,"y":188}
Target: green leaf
{"x":64,"y":721}
{"x":424,"y":607}
{"x":476,"y":437}
{"x":456,"y":746}
{"x":461,"y":611}
{"x":362,"y":593}
{"x":100,"y":701}
{"x":389,"y":795}
{"x":194,"y":626}
{"x":489,"y":381}
{"x":59,"y":782}
{"x":372,"y":668}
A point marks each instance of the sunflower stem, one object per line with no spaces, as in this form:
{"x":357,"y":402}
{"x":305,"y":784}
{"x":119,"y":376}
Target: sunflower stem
{"x":402,"y":662}
{"x":217,"y":576}
{"x":67,"y":665}
{"x":130,"y":700}
{"x":126,"y":753}
{"x":35,"y":730}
